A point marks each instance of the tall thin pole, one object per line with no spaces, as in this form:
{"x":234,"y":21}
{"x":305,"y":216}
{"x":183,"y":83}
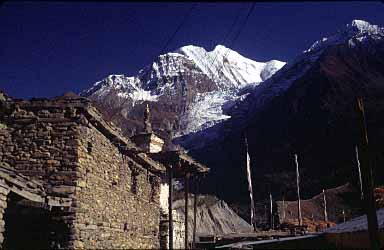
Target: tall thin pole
{"x":367,"y":178}
{"x":250,"y":189}
{"x":186,"y":192}
{"x":265,"y":214}
{"x":325,"y":207}
{"x":195,"y":212}
{"x":298,"y":191}
{"x":170,"y":198}
{"x":343,"y":215}
{"x":271,"y":209}
{"x":283,"y":209}
{"x":359,"y":171}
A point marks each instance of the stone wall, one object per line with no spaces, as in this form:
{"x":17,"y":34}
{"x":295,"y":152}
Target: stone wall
{"x":41,"y":142}
{"x":4,"y":190}
{"x":39,"y":139}
{"x":65,"y":145}
{"x":118,"y":200}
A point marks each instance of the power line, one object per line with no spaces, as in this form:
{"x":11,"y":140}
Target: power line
{"x":237,"y":34}
{"x":186,"y":16}
{"x":227,"y":37}
{"x":178,"y":28}
{"x":241,"y":27}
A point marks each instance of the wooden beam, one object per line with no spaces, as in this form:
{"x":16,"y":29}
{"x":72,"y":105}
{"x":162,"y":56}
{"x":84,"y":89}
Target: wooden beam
{"x":170,"y":216}
{"x":196,"y":182}
{"x":367,"y":179}
{"x":186,"y":192}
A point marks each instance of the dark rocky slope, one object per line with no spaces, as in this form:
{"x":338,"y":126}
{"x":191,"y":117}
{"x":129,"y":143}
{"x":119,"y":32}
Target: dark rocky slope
{"x":313,"y":115}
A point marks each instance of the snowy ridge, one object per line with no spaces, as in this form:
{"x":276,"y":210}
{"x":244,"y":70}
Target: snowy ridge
{"x":228,"y":70}
{"x":225,"y":66}
{"x":124,"y":87}
{"x":358,"y":32}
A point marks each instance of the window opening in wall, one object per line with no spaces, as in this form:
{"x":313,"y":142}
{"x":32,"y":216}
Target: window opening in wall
{"x":155,"y":185}
{"x":89,"y":147}
{"x":134,"y":183}
{"x":134,"y":178}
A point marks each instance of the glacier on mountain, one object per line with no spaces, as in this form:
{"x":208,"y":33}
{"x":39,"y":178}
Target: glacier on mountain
{"x":224,"y":66}
{"x":227,"y":69}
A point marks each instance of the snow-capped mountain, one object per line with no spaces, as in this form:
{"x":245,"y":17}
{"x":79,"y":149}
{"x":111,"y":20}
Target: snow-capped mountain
{"x":308,"y":108}
{"x":228,"y":68}
{"x":188,"y":87}
{"x":357,"y":34}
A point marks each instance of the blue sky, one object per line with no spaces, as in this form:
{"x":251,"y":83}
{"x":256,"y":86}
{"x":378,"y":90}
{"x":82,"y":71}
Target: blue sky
{"x":49,"y":48}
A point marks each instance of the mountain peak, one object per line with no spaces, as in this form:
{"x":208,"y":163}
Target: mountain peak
{"x":194,"y":81}
{"x":361,"y":26}
{"x":356,"y":32}
{"x":191,"y":47}
{"x":219,"y":47}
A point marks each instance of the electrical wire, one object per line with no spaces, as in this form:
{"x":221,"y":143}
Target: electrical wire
{"x":181,"y":24}
{"x":186,"y":16}
{"x":241,"y":28}
{"x":227,"y":37}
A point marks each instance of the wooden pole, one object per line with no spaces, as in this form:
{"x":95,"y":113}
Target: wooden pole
{"x":359,"y":171}
{"x":271,"y":210}
{"x":265,"y":214}
{"x":186,"y":191}
{"x":298,"y":191}
{"x":170,"y":198}
{"x":283,"y":209}
{"x":367,"y":179}
{"x":250,"y":188}
{"x":325,"y":207}
{"x":194,"y":213}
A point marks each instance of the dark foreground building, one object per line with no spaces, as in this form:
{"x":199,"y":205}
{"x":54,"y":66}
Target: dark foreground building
{"x":70,"y":180}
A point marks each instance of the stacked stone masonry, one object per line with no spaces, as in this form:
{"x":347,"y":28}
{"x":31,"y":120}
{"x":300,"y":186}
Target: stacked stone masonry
{"x":105,"y":198}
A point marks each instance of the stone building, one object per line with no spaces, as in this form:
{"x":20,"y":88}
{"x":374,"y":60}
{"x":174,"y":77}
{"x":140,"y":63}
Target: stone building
{"x":70,"y":180}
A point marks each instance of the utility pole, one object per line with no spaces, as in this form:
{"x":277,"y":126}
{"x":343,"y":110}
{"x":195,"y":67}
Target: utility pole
{"x":367,"y":179}
{"x":325,"y":207}
{"x":298,"y":192}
